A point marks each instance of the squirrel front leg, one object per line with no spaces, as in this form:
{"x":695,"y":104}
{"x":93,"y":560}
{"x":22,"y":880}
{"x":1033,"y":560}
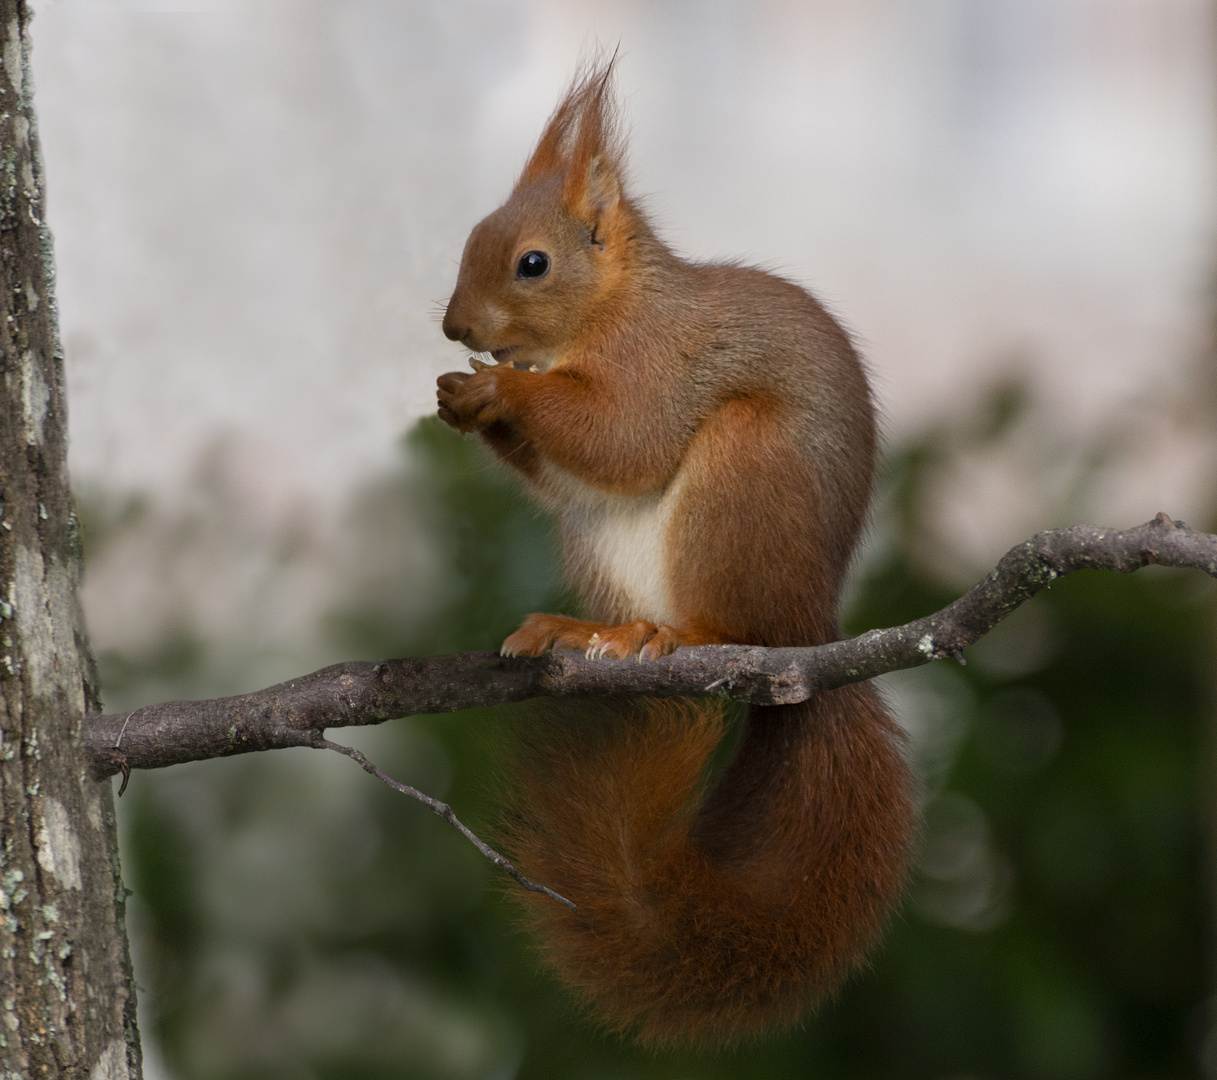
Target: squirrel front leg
{"x":469,"y":402}
{"x":527,"y":416}
{"x":604,"y":432}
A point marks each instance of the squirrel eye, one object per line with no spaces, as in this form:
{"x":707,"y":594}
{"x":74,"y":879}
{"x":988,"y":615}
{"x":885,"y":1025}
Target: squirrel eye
{"x":532,"y":264}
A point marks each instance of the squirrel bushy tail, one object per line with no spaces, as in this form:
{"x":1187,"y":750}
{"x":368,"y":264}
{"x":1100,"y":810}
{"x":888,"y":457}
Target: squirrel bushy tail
{"x":710,"y":914}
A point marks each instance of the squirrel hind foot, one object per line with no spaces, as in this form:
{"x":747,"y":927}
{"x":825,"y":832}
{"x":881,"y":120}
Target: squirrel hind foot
{"x":667,"y":639}
{"x":538,"y":634}
{"x":619,"y":642}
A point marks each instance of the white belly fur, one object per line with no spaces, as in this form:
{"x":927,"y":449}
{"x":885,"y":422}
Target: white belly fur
{"x":622,"y":536}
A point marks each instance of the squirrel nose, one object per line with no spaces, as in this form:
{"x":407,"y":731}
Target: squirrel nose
{"x":453,"y":332}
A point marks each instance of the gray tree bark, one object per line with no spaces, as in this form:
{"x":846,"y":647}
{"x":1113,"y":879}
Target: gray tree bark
{"x":67,"y":998}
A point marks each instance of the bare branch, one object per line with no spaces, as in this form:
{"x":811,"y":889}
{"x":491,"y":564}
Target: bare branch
{"x":446,"y":812}
{"x":295,"y":713}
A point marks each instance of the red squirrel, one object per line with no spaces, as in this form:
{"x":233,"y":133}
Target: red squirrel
{"x":706,"y":434}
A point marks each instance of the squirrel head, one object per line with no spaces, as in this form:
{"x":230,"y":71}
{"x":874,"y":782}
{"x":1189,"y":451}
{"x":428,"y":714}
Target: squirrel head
{"x":539,"y":272}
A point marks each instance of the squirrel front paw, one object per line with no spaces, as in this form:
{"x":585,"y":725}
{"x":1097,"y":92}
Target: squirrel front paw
{"x":469,"y":402}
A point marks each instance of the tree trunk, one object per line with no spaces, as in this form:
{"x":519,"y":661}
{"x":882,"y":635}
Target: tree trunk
{"x":67,"y":995}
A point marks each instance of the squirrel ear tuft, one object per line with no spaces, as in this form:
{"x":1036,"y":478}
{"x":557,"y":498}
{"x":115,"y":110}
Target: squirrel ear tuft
{"x":581,"y":144}
{"x":550,"y":156}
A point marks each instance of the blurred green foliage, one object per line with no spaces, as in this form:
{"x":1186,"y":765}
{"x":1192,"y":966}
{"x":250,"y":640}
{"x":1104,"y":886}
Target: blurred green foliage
{"x":295,"y":920}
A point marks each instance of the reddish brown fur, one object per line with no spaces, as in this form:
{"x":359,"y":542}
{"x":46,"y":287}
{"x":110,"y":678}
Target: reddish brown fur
{"x":714,"y":924}
{"x":707,"y":433}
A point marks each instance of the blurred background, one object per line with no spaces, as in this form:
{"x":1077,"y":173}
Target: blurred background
{"x":258,"y":210}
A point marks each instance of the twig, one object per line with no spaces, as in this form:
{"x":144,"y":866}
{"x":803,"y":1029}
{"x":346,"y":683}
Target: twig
{"x":291,"y":713}
{"x":123,"y":730}
{"x":443,"y":810}
{"x":119,"y":758}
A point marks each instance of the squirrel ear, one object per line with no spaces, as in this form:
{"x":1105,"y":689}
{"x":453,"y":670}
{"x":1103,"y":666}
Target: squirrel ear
{"x":581,"y":146}
{"x":592,"y":186}
{"x":581,"y":125}
{"x":596,"y":195}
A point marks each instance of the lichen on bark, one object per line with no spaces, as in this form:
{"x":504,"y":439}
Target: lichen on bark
{"x":68,"y":1001}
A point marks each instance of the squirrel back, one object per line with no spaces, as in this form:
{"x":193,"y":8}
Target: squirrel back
{"x":707,"y":436}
